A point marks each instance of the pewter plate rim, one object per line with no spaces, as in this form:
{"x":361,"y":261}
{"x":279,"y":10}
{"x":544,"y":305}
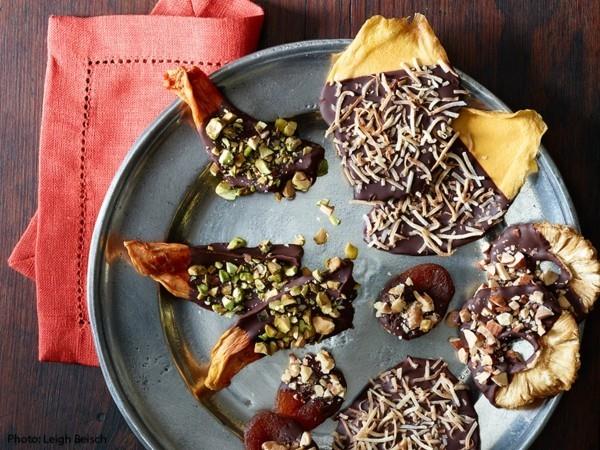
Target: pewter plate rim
{"x":149,"y":438}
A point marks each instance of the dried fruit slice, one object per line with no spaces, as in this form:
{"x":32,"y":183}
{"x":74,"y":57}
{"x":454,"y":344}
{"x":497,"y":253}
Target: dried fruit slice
{"x":502,"y":332}
{"x":307,"y":310}
{"x":552,"y":255}
{"x":227,"y":278}
{"x":580,"y":258}
{"x":270,"y":431}
{"x":555,"y":370}
{"x":438,"y":175}
{"x":250,"y":155}
{"x":414,"y":302}
{"x":312,"y":389}
{"x":417,"y":404}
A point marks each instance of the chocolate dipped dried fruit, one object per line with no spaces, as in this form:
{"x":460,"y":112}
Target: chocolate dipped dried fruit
{"x":518,"y":343}
{"x":312,"y":389}
{"x":412,"y":303}
{"x":437,"y":174}
{"x":417,"y":404}
{"x":270,"y":431}
{"x":228,"y":278}
{"x":555,"y":256}
{"x":249,"y":155}
{"x":307,"y":310}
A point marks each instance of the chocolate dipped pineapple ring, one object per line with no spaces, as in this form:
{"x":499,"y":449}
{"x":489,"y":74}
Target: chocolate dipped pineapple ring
{"x":518,"y":256}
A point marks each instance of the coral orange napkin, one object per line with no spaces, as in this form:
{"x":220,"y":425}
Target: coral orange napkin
{"x":103,"y":87}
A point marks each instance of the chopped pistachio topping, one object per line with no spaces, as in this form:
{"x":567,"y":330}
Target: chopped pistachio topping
{"x":227,"y":192}
{"x":236,"y":242}
{"x":227,"y":286}
{"x":321,"y":237}
{"x":301,"y":182}
{"x":350,"y":251}
{"x":303,"y":313}
{"x":255,"y":151}
{"x":299,"y":239}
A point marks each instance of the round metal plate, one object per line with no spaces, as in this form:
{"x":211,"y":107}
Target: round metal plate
{"x":151,"y":346}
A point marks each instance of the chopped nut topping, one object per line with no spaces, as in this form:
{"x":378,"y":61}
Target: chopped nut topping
{"x":226,"y":287}
{"x":416,"y":310}
{"x":350,"y":251}
{"x":255,"y":152}
{"x":314,"y":377}
{"x":321,"y":237}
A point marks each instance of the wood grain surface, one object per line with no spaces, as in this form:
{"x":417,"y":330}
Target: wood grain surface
{"x":542,"y":54}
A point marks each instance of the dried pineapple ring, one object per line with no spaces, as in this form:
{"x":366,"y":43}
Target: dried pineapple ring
{"x":555,"y":369}
{"x":579,"y":256}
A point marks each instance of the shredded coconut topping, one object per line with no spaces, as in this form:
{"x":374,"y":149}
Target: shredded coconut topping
{"x":394,"y":128}
{"x":405,"y":412}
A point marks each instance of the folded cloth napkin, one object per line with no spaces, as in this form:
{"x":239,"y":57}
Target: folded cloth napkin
{"x":103,"y":87}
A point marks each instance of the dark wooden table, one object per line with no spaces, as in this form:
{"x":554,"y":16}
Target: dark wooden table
{"x":542,"y":54}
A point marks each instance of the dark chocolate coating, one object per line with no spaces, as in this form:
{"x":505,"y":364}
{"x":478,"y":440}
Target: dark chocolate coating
{"x":431,"y":279}
{"x":526,"y":239}
{"x":502,"y":361}
{"x":410,"y":373}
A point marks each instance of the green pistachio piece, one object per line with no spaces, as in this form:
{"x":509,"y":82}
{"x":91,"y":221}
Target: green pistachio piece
{"x":300,"y":181}
{"x":280,"y":124}
{"x":292,"y":143}
{"x":270,"y":331}
{"x":231,"y":268}
{"x":287,"y":300}
{"x":291,"y":271}
{"x":296,"y":291}
{"x":264,"y":151}
{"x":214,"y":127}
{"x":259,"y":285}
{"x":334,"y":220}
{"x":254,"y":142}
{"x":218,"y":309}
{"x":350,"y":251}
{"x":261,"y":347}
{"x":247,"y":151}
{"x":262,"y":166}
{"x":223,"y":276}
{"x":228,"y":117}
{"x":219,"y":265}
{"x":238,"y":295}
{"x":213,"y":291}
{"x":236,"y":242}
{"x":290,"y":128}
{"x":203,"y":289}
{"x":323,"y":168}
{"x":228,"y":303}
{"x":227,"y":192}
{"x":282,"y":323}
{"x":226,"y":157}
